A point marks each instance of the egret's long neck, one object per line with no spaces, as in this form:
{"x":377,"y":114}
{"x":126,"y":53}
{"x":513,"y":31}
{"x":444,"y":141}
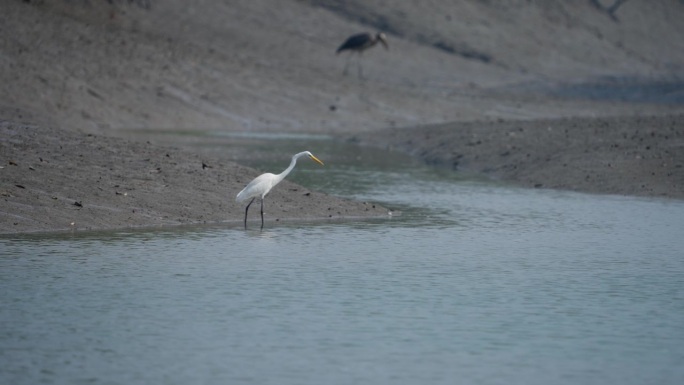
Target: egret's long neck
{"x":289,"y":168}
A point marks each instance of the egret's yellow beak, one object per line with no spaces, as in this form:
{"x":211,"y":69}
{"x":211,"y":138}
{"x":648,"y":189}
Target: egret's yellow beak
{"x":317,"y":160}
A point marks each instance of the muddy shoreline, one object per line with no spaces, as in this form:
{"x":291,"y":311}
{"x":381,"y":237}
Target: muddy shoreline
{"x":56,"y":180}
{"x":638,"y":156}
{"x":540,"y":94}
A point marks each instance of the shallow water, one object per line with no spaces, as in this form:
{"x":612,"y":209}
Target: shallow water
{"x":474,"y":283}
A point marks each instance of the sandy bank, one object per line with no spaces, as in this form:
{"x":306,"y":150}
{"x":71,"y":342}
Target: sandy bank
{"x":542,"y":78}
{"x":641,"y":156}
{"x":52,"y":179}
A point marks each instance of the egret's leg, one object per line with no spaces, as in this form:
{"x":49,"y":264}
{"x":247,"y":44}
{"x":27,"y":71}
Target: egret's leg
{"x":262,"y":213}
{"x":247,"y":209}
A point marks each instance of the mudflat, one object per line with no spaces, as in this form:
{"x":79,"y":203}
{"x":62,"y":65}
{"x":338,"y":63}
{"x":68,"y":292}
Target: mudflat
{"x":640,"y":156}
{"x":546,"y":95}
{"x":53,"y":180}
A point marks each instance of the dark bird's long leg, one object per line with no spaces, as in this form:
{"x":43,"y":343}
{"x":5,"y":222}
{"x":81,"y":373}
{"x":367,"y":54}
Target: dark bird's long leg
{"x":247,"y":209}
{"x":346,"y":65}
{"x":262,"y":213}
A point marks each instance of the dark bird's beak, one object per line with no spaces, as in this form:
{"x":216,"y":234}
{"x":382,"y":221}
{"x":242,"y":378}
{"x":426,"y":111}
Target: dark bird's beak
{"x":383,"y":40}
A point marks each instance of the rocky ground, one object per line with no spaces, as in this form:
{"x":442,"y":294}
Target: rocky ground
{"x":544,"y":94}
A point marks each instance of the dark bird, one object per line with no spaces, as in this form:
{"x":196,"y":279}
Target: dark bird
{"x":362,"y":41}
{"x":359,"y":43}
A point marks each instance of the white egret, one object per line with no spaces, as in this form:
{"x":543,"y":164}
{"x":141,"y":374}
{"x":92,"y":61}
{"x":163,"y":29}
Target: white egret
{"x":262,"y":185}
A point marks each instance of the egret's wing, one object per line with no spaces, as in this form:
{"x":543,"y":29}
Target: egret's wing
{"x":258,"y":187}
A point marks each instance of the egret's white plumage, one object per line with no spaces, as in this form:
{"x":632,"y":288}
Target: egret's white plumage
{"x":262,"y":185}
